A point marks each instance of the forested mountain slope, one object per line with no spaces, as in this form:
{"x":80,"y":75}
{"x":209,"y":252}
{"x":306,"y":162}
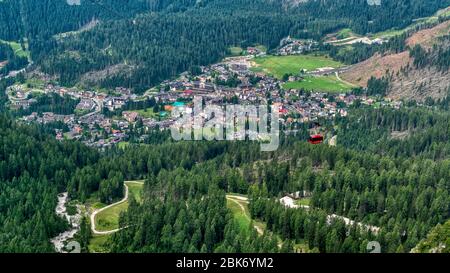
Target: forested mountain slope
{"x":33,"y":169}
{"x":418,"y":69}
{"x":405,"y":197}
{"x":401,"y":187}
{"x":40,"y":19}
{"x":171,"y":36}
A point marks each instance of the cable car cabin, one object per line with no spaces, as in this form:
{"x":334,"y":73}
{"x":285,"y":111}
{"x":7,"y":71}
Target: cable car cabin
{"x":315,"y":139}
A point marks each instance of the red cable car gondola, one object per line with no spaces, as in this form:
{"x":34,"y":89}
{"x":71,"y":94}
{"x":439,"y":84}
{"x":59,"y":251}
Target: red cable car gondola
{"x":315,"y":139}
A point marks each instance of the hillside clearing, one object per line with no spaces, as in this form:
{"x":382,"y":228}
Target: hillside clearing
{"x":17,"y":48}
{"x":239,"y":207}
{"x":107,"y":219}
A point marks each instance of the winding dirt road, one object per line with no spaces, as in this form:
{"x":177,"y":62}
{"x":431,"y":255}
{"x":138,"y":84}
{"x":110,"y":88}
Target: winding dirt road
{"x":95,"y":212}
{"x":344,"y":81}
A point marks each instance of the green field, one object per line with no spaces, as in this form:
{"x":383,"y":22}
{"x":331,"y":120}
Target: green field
{"x":97,"y":244}
{"x":147,"y":113}
{"x":17,"y":48}
{"x":344,"y":33}
{"x":388,"y":33}
{"x":281,"y":65}
{"x":123,"y":144}
{"x":322,"y":83}
{"x":303,"y":201}
{"x":35,"y":83}
{"x":135,"y":190}
{"x":241,"y":214}
{"x":109,"y":218}
{"x":235,"y":50}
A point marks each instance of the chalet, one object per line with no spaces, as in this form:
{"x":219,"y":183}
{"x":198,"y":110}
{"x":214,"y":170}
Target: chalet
{"x":239,"y":68}
{"x":119,"y":101}
{"x":130,"y":116}
{"x":100,"y":97}
{"x":168,"y":108}
{"x":69,"y":119}
{"x":77,"y":129}
{"x":149,"y":123}
{"x":174,"y":86}
{"x":165,"y":124}
{"x":113,"y":103}
{"x":202,"y":87}
{"x":86,"y":104}
{"x":293,"y":78}
{"x":123,"y":91}
{"x":87,"y":94}
{"x":253,"y":50}
{"x":20,"y":94}
{"x":343,"y":112}
{"x":187,"y":93}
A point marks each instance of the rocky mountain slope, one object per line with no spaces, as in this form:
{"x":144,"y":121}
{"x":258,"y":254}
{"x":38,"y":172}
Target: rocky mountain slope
{"x":407,"y":80}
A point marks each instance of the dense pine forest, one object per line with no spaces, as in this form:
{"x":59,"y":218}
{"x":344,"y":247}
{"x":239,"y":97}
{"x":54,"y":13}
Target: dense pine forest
{"x":401,"y":187}
{"x":168,"y":37}
{"x":402,"y":191}
{"x":33,"y":169}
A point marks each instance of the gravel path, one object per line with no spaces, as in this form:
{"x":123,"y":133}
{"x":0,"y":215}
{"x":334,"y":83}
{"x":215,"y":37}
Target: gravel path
{"x":93,"y":228}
